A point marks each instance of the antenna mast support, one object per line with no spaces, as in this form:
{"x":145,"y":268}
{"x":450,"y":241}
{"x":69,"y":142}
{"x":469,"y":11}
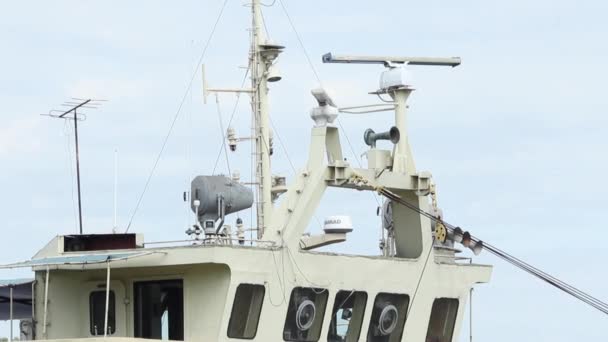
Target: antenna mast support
{"x":263,"y":53}
{"x":396,"y":81}
{"x":207,"y":90}
{"x":72,"y":114}
{"x":74,"y":111}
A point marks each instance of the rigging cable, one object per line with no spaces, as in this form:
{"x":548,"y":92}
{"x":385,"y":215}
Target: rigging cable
{"x":219,"y":115}
{"x":176,"y":116}
{"x":293,"y":27}
{"x":224,"y":133}
{"x":268,"y":5}
{"x":316,"y":74}
{"x":551,"y":280}
{"x":70,"y":158}
{"x":265,"y":27}
{"x":280,"y":278}
{"x":426,"y":261}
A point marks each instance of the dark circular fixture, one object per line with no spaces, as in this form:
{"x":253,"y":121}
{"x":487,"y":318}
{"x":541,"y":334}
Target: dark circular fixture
{"x":305,"y":316}
{"x":388,"y":320}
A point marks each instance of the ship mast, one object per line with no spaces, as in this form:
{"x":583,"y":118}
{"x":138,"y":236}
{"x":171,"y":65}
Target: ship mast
{"x":261,"y":57}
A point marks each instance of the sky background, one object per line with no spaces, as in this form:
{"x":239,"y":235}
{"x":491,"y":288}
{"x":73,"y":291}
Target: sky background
{"x":515,"y":137}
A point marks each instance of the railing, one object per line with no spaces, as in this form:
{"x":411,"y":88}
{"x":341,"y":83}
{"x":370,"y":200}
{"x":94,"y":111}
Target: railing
{"x":215,"y":241}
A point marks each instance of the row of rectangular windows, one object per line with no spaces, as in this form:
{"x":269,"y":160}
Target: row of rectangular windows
{"x":159,"y":314}
{"x":306,"y":309}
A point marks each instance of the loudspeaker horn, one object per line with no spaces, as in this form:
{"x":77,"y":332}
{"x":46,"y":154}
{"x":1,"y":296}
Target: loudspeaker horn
{"x":457,"y":235}
{"x":476,"y":247}
{"x":466,"y":239}
{"x":371,"y":137}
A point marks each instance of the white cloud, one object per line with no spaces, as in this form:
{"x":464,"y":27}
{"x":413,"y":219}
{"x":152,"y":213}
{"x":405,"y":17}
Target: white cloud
{"x":108,"y":88}
{"x":20,"y":136}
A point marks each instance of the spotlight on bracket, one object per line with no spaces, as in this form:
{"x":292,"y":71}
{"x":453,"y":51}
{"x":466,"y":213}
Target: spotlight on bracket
{"x":327,"y":111}
{"x":274,"y":75}
{"x":371,"y":137}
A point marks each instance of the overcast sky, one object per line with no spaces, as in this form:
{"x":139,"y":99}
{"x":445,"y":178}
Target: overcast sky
{"x":515,"y":137}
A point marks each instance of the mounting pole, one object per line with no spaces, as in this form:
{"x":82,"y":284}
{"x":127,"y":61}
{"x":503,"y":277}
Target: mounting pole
{"x":74,"y":111}
{"x":259,"y":70}
{"x":401,"y":164}
{"x":471,"y":315}
{"x":10,"y":289}
{"x":78,"y":169}
{"x":107,"y":308}
{"x":72,"y":114}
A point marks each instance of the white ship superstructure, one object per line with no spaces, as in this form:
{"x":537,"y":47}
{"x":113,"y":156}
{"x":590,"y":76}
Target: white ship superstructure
{"x":220,"y":285}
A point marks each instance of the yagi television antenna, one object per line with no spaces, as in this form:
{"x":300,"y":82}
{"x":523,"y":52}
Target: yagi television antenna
{"x":74,"y":112}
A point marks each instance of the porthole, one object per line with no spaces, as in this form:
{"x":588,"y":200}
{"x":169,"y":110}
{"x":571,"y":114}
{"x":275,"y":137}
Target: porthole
{"x":388,"y":319}
{"x":305,"y":315}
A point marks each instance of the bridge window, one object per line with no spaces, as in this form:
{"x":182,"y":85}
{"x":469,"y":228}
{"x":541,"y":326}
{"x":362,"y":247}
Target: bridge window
{"x":305,"y":314}
{"x":347,"y":316}
{"x":388,"y":317}
{"x":443,"y":319}
{"x":246,"y":311}
{"x":97,"y":312}
{"x":159,"y":309}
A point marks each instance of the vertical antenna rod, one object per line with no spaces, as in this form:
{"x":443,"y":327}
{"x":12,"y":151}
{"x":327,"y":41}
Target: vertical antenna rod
{"x":115,"y":227}
{"x":74,"y":111}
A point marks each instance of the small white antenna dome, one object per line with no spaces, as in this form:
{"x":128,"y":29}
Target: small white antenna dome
{"x":338,"y":224}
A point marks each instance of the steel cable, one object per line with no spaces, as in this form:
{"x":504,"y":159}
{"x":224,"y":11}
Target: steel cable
{"x":176,"y":116}
{"x":551,"y":280}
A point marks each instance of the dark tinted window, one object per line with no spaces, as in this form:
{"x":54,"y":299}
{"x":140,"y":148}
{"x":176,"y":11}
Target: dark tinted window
{"x":159,"y":309}
{"x":97,"y":312}
{"x":388,"y":317}
{"x":305,"y":314}
{"x":246,"y":311}
{"x":347,"y":316}
{"x":443,"y":319}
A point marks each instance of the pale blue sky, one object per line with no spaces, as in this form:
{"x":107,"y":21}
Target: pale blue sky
{"x":515,"y":137}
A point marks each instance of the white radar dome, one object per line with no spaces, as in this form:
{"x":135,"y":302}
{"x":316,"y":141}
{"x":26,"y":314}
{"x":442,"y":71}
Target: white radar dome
{"x":338,"y":224}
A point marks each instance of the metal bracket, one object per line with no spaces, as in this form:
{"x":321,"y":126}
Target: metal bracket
{"x":423,"y":182}
{"x":338,"y":172}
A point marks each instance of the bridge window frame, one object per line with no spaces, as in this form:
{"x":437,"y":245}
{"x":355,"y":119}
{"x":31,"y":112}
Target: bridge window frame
{"x":299,"y":327}
{"x":442,"y":322}
{"x":246,"y":311}
{"x":97,"y":308}
{"x":356,"y":302}
{"x":386,"y":305}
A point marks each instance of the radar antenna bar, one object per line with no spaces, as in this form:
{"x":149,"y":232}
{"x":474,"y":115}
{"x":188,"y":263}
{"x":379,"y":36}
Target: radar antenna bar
{"x":433,"y":61}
